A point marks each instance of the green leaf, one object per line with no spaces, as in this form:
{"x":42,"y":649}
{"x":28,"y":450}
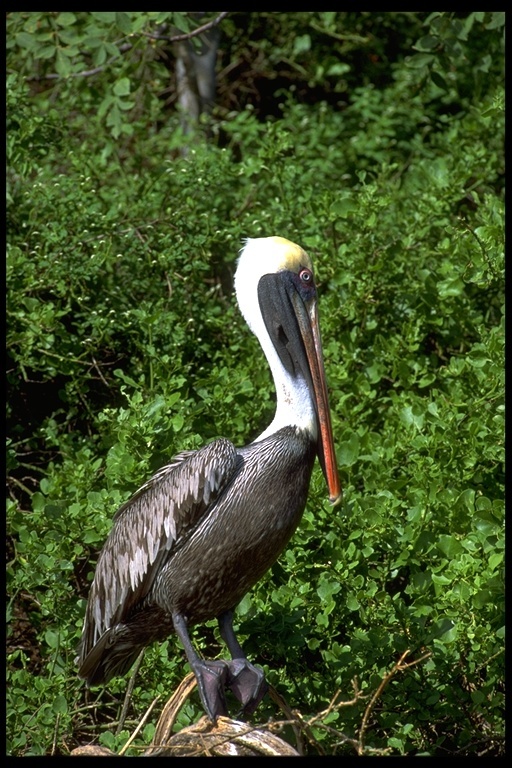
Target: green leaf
{"x":449,"y":545}
{"x":452,"y":286}
{"x":26,"y":40}
{"x":353,"y":603}
{"x":120,"y":374}
{"x":348,"y":451}
{"x":497,"y":20}
{"x":66,"y":19}
{"x":495,"y":560}
{"x":438,"y":80}
{"x":327,"y":589}
{"x":123,"y":22}
{"x":91,"y":537}
{"x":178,"y":420}
{"x":482,"y":598}
{"x":62,"y":64}
{"x":427,"y":43}
{"x":344,"y":206}
{"x":412,"y":416}
{"x":301,"y":44}
{"x":60,"y":705}
{"x":122,"y":87}
{"x":105,"y":17}
{"x":182,"y":21}
{"x":52,"y":638}
{"x":420,"y":60}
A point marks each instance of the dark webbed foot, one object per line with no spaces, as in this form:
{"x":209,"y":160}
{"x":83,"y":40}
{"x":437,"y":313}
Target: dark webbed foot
{"x":212,"y":679}
{"x":247,"y":683}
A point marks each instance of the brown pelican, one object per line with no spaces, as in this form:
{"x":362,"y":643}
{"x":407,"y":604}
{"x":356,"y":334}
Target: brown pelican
{"x":205,"y":528}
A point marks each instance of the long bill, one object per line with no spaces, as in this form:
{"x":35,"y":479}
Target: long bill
{"x":310,"y":332}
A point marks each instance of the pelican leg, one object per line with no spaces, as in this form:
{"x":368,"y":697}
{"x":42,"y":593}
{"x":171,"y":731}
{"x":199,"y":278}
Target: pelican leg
{"x":212,"y":676}
{"x":246,"y":681}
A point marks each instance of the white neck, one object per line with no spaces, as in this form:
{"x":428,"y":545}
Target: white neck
{"x":294,"y":405}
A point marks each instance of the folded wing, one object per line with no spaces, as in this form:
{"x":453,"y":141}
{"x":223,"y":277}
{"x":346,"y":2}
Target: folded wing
{"x":161,"y":514}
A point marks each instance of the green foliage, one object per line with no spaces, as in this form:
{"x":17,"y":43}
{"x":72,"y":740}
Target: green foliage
{"x":446,"y":48}
{"x":125,"y":347}
{"x":71,"y":46}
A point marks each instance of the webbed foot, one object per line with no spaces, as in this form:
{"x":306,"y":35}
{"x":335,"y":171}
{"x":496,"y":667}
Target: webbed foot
{"x":247,"y":683}
{"x":212,"y":679}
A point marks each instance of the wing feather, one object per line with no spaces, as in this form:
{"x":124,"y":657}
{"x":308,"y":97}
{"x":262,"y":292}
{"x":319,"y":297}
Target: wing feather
{"x":157,"y":517}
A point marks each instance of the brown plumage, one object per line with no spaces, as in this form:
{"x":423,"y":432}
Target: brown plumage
{"x":205,"y":528}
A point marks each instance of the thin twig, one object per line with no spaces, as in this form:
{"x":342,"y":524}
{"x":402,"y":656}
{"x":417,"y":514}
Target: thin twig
{"x":498,"y":653}
{"x":356,"y":39}
{"x":86,"y":72}
{"x":292,"y":720}
{"x":129,"y":691}
{"x":334,"y":705}
{"x":399,"y":667}
{"x":189,"y":35}
{"x":55,"y":735}
{"x":140,"y":725}
{"x":20,"y":485}
{"x":306,"y":725}
{"x":96,"y":366}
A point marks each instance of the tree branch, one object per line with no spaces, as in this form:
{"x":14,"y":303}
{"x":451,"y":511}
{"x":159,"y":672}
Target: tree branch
{"x":128,"y":46}
{"x":400,"y":666}
{"x":86,"y":72}
{"x":188,"y":35}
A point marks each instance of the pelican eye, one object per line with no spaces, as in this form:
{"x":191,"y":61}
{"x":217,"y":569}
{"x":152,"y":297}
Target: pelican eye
{"x":306,"y":275}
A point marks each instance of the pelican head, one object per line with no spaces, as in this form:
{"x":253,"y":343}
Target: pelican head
{"x":276,"y":293}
